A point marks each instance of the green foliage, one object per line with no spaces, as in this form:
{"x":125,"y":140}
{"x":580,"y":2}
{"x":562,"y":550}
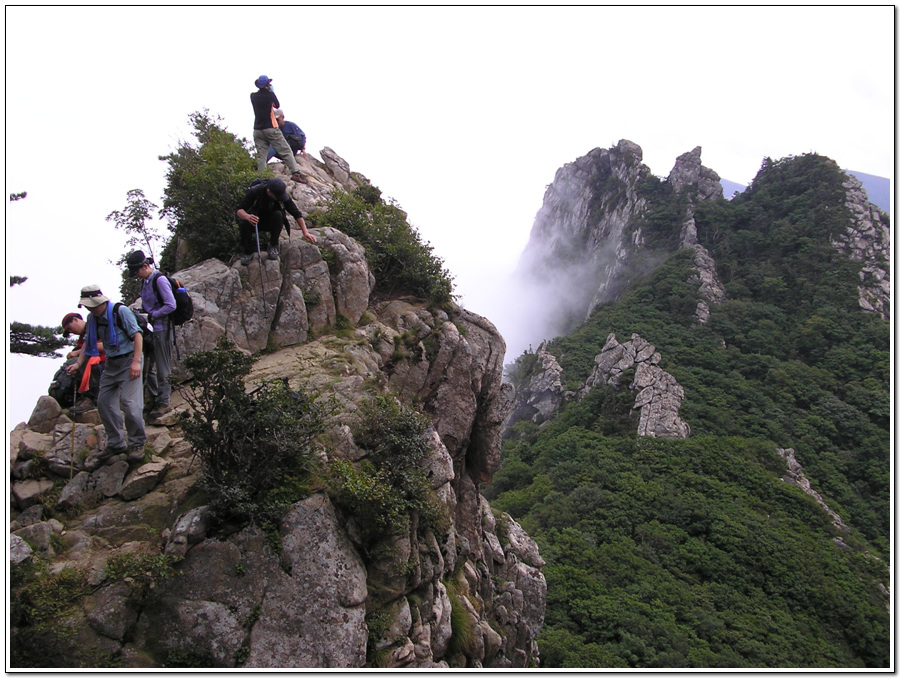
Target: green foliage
{"x":256,"y":447}
{"x":39,"y":602}
{"x":377,"y":622}
{"x":34,"y":340}
{"x":42,"y":601}
{"x":520,"y":371}
{"x":389,"y":484}
{"x":695,"y":553}
{"x":462,"y":632}
{"x":689,"y":554}
{"x":204,"y":183}
{"x":141,"y":570}
{"x":401,"y":262}
{"x":133,"y":220}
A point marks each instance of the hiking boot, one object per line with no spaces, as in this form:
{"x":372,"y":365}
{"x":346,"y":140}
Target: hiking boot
{"x":149,"y":405}
{"x":82,"y":406}
{"x":246,"y":259}
{"x":273,"y":253}
{"x":136,"y":453}
{"x":159,"y":412}
{"x":298,"y":177}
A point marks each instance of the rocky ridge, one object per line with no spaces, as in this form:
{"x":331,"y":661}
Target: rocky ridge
{"x":583,"y":244}
{"x":868,"y":239}
{"x":583,"y":241}
{"x":470,"y":594}
{"x":658,"y":395}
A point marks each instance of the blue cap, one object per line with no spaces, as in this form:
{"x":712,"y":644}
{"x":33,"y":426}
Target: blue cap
{"x":263,"y":81}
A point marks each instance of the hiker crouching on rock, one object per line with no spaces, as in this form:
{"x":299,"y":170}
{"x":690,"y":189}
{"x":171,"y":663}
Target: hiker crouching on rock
{"x":158,"y":302}
{"x":73,"y":323}
{"x":266,"y":130}
{"x":295,"y":136}
{"x":121,"y":390}
{"x":263,"y":208}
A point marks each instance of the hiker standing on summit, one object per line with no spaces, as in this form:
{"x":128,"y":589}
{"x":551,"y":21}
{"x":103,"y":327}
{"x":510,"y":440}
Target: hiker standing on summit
{"x":158,"y":302}
{"x":266,"y":130}
{"x":121,"y":390}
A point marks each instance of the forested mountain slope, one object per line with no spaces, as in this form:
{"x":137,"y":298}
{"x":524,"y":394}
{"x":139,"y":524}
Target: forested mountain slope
{"x":705,"y":550}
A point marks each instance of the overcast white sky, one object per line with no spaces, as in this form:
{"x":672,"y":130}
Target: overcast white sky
{"x":463,"y":115}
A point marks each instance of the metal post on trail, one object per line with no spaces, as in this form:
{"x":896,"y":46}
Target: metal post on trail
{"x":261,"y":273}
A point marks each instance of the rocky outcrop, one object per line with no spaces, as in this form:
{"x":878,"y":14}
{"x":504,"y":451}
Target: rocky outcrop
{"x":868,"y":239}
{"x":539,"y":399}
{"x":689,"y":172}
{"x":579,"y":243}
{"x":711,"y":290}
{"x":316,"y":595}
{"x":658,"y":397}
{"x":795,"y":476}
{"x":581,"y":250}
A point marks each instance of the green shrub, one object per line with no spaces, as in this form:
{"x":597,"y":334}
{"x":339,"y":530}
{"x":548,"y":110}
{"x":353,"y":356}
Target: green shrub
{"x":254,"y":447}
{"x":389,"y":484}
{"x":520,"y":371}
{"x":204,"y":183}
{"x":462,"y":632}
{"x":401,"y":262}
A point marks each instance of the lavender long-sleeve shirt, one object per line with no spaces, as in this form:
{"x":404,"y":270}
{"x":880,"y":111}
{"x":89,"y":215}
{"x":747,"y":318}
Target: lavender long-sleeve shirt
{"x":157,"y":308}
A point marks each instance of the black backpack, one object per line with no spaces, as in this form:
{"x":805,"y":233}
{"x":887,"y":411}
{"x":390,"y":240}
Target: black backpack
{"x":184,"y":305}
{"x":143,"y":327}
{"x":62,"y":388}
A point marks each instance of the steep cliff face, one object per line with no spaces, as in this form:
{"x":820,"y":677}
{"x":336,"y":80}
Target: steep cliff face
{"x":594,"y":235}
{"x":578,"y":245}
{"x":582,"y":248}
{"x":868,"y":239}
{"x":585,"y":246}
{"x":468,"y":592}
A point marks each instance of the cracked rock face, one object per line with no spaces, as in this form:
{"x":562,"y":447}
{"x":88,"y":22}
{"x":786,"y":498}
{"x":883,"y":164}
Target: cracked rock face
{"x":539,"y":399}
{"x":583,"y":239}
{"x":689,"y":171}
{"x":658,"y":396}
{"x":868,"y":239}
{"x":240,"y":601}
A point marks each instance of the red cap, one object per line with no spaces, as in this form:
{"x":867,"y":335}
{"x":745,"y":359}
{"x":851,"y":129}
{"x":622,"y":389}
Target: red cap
{"x":67,"y":318}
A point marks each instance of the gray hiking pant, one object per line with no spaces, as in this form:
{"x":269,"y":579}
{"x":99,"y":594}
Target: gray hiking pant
{"x":158,"y":367}
{"x":120,"y":394}
{"x":262,"y":138}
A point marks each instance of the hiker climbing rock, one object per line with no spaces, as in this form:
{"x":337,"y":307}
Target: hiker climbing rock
{"x":158,"y":302}
{"x":266,"y":130}
{"x":263,"y":208}
{"x":88,"y":377}
{"x":295,"y":136}
{"x":121,"y":390}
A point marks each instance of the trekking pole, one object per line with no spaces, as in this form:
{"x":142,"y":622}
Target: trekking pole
{"x":175,"y":341}
{"x":261,"y":273}
{"x":72,"y":449}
